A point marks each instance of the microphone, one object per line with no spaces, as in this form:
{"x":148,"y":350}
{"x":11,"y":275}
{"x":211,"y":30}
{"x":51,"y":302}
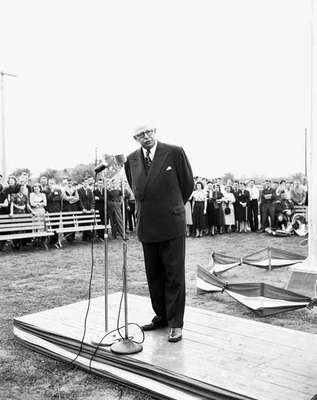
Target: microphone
{"x":120,"y":159}
{"x":101,"y":167}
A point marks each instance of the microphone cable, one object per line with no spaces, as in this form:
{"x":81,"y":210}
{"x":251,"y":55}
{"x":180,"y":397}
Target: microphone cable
{"x":89,"y":285}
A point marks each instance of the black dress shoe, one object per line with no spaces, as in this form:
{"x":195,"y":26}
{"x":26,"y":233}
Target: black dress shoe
{"x":175,"y":335}
{"x":153,"y":325}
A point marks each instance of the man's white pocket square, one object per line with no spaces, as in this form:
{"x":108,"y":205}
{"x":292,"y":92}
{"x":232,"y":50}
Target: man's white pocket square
{"x":168,"y":168}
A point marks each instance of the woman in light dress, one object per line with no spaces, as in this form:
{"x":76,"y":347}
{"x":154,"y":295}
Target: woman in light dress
{"x":38,"y":200}
{"x":228,"y":209}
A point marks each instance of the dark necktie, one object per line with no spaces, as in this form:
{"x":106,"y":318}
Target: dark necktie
{"x":147,"y":159}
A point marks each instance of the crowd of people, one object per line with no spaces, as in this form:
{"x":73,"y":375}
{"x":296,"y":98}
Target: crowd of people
{"x":214,"y":207}
{"x":18,"y":196}
{"x":218,"y":207}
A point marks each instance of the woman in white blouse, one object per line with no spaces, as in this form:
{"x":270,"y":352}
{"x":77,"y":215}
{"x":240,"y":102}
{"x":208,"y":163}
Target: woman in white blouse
{"x":228,"y":209}
{"x":199,"y":207}
{"x":37,"y":200}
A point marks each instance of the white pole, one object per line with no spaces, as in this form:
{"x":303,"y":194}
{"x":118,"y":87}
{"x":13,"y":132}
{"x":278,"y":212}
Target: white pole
{"x":306,"y":152}
{"x":304,"y":276}
{"x":310,"y":264}
{"x":3,"y":141}
{"x":3,"y":136}
{"x":312,"y":146}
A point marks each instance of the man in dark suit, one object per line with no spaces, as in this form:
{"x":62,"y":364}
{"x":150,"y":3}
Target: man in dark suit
{"x":161,"y":179}
{"x":268,"y":197}
{"x":54,"y":204}
{"x":86,"y":200}
{"x":99,"y":199}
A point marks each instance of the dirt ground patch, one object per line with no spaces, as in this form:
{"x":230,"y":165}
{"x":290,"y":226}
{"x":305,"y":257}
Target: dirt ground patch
{"x":35,"y":280}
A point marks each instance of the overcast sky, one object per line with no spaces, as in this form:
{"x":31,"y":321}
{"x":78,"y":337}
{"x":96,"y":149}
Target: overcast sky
{"x":225,"y":79}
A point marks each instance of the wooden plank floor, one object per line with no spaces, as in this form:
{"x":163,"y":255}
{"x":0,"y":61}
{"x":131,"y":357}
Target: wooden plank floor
{"x":247,"y":357}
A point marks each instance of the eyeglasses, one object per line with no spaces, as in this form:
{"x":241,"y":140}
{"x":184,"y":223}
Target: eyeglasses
{"x":141,"y":135}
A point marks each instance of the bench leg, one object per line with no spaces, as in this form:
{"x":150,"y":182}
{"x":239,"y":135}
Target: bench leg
{"x":58,"y":244}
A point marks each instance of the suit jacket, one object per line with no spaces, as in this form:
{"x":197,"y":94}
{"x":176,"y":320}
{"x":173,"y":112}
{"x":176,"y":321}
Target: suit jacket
{"x":86,"y":199}
{"x":99,"y":198}
{"x":243,"y":196}
{"x":54,"y":200}
{"x":161,"y":194}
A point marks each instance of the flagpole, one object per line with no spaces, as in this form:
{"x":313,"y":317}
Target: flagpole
{"x":304,"y":276}
{"x":3,"y":136}
{"x":306,"y":152}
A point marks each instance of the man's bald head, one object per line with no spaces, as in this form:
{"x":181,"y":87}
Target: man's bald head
{"x":145,"y":135}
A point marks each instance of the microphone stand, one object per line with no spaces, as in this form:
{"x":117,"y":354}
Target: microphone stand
{"x":105,"y":238}
{"x":102,"y":339}
{"x":126,"y":345}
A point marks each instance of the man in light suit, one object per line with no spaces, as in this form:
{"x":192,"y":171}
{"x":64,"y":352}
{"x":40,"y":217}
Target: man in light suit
{"x":161,"y":179}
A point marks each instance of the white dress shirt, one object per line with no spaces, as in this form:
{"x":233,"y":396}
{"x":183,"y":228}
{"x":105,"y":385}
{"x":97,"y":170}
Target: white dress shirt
{"x":152,"y":151}
{"x":254,"y":193}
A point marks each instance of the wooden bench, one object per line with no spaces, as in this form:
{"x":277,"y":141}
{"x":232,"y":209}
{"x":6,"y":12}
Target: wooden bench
{"x":302,"y":210}
{"x":67,"y":222}
{"x":23,"y":226}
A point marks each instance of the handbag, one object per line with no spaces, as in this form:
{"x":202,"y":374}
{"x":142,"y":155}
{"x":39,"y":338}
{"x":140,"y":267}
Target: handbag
{"x":227,"y":209}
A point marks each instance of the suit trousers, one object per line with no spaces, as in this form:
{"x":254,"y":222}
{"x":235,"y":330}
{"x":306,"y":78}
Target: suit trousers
{"x":131,"y":215}
{"x":165,"y":271}
{"x":267,"y":210}
{"x":253,"y":215}
{"x":115,"y":215}
{"x":100,"y":207}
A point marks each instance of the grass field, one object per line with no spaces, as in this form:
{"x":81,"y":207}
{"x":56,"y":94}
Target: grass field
{"x":34,"y":280}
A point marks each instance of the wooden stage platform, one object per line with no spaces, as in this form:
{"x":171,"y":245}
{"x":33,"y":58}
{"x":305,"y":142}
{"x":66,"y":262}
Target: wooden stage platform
{"x":220,"y":356}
